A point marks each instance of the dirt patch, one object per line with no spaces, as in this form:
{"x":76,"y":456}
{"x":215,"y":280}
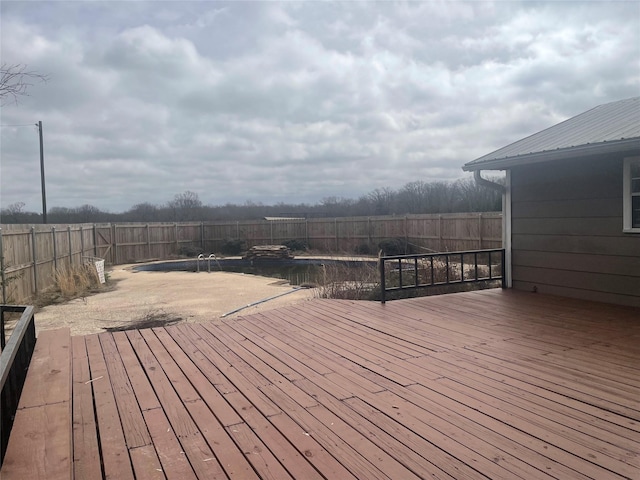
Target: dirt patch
{"x":145,"y":299}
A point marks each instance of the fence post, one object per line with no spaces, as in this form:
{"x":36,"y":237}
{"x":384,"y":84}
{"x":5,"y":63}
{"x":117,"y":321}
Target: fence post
{"x":335,"y":221}
{"x":55,"y":249}
{"x":406,"y":233}
{"x":177,"y":243}
{"x":306,"y":232}
{"x":95,"y":241}
{"x":81,"y":242}
{"x":202,"y":236}
{"x":35,"y":262}
{"x":70,"y":249}
{"x":2,"y":273}
{"x":114,"y":242}
{"x":148,"y":242}
{"x":480,"y":231}
{"x":440,"y":245}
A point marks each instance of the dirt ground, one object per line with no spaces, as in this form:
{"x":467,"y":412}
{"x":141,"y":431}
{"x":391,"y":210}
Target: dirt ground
{"x":140,"y":297}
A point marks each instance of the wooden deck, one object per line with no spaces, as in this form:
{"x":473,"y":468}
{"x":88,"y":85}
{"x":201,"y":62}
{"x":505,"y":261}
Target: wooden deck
{"x":492,"y":384}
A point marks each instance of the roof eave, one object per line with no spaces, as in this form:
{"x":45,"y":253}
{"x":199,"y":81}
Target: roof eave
{"x":505,"y":163}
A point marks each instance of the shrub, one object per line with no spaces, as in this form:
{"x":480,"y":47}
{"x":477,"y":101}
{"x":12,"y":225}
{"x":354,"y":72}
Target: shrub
{"x":295,"y":245}
{"x":232,"y":246}
{"x":190,"y":250}
{"x":394,"y":246}
{"x":363,"y":249}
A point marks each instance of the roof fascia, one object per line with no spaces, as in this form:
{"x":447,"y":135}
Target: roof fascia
{"x":552,"y":155}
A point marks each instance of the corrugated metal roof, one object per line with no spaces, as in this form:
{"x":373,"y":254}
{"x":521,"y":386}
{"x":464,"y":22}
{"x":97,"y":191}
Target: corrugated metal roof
{"x":615,"y":124}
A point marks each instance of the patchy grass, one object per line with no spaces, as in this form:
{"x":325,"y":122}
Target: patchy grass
{"x":151,"y":319}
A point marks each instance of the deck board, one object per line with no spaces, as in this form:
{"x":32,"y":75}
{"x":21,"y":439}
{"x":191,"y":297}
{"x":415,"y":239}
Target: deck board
{"x":86,"y":452}
{"x":42,"y":425}
{"x":491,"y":384}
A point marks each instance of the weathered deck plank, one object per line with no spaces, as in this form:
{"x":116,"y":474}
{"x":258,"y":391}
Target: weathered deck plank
{"x":86,"y":452}
{"x":115,"y":455}
{"x":43,"y":425}
{"x":488,"y":384}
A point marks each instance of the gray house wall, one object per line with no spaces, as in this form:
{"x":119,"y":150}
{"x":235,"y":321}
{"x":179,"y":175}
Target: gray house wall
{"x":567,"y":231}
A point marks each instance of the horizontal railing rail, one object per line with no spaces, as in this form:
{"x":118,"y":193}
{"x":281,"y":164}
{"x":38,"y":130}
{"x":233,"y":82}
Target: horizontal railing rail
{"x":411,"y":272}
{"x":14,"y":363}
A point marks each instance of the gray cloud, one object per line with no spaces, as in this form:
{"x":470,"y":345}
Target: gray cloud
{"x":293,"y":102}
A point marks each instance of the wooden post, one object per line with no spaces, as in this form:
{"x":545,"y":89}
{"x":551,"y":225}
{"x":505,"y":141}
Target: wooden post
{"x":177,"y":243}
{"x":81,"y":242}
{"x":335,"y":222}
{"x":480,"y":231}
{"x":148,"y":242}
{"x":202,"y":236}
{"x":55,"y":249}
{"x":440,"y":247}
{"x":95,"y":241}
{"x":306,"y":231}
{"x":406,"y":234}
{"x":35,"y":260}
{"x":70,"y":249}
{"x":114,"y":242}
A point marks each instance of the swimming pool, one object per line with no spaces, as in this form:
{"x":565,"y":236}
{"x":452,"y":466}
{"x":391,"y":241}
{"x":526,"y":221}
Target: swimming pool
{"x":297,"y":271}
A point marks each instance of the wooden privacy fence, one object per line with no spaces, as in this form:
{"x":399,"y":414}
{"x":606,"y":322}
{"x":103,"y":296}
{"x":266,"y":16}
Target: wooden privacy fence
{"x":32,"y":254}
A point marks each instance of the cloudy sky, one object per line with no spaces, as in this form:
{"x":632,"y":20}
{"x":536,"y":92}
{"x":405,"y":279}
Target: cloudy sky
{"x":296,"y":101}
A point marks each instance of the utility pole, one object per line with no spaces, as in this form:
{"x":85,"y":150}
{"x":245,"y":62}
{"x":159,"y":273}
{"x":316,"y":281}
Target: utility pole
{"x":44,"y":195}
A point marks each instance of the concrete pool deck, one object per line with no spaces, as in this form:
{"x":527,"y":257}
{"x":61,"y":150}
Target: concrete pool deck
{"x":187,"y":296}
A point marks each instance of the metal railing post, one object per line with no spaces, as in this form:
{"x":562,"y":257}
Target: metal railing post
{"x":503,"y":269}
{"x":382,"y":280}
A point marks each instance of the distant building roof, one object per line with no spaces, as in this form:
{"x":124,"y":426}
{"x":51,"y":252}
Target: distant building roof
{"x":611,"y":127}
{"x":283,"y":219}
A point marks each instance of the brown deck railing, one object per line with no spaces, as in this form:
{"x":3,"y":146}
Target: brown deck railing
{"x":14,"y":362}
{"x":411,"y":272}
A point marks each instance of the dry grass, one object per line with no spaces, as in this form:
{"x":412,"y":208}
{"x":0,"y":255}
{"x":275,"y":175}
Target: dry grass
{"x":71,"y":282}
{"x":348,"y":283}
{"x":151,"y":319}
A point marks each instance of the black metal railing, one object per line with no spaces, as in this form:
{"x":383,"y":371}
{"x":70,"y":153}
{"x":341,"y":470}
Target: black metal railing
{"x":14,"y":363}
{"x":410,"y":272}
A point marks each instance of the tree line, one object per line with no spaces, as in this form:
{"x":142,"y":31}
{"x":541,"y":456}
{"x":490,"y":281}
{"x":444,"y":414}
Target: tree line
{"x":413,"y":198}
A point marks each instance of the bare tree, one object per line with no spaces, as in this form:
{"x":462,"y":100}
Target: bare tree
{"x":12,"y":213}
{"x":15,"y":80}
{"x":186,"y":206}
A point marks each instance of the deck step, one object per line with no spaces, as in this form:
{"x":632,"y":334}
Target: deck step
{"x":34,"y":452}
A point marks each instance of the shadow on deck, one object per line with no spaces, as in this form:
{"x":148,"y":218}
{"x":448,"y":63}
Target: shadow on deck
{"x":495,"y":384}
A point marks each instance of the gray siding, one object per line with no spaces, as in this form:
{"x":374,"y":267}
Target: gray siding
{"x":567,"y":231}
